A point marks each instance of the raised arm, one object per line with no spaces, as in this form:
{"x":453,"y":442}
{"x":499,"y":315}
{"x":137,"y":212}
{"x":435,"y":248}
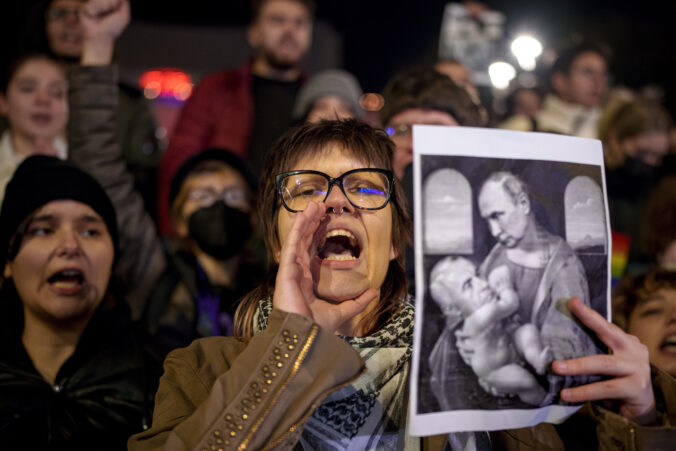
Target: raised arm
{"x":94,"y":147}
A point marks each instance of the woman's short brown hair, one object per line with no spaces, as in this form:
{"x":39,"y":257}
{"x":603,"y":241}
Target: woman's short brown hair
{"x":374,"y":148}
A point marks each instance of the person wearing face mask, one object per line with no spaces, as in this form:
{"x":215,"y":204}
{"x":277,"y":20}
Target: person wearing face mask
{"x":181,"y":290}
{"x":635,"y":137}
{"x":212,"y":263}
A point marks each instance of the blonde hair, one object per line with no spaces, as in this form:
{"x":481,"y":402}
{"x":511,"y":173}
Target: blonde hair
{"x":628,"y":118}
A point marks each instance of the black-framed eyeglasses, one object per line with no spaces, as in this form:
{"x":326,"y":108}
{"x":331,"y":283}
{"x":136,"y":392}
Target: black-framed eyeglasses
{"x":366,"y":189}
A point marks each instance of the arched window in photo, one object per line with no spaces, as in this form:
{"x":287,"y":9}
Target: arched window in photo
{"x":585,"y":216}
{"x":447,"y":213}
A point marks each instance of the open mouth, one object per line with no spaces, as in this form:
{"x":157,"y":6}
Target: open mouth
{"x":41,"y":118}
{"x":339,"y":244}
{"x":71,"y":38}
{"x":669,"y":344}
{"x":69,"y":279}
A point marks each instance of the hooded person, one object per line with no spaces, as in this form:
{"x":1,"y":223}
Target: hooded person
{"x":213,"y":262}
{"x":72,"y":369}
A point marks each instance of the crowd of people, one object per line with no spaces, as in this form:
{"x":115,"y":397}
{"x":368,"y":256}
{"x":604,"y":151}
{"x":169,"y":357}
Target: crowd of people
{"x":250,"y":285}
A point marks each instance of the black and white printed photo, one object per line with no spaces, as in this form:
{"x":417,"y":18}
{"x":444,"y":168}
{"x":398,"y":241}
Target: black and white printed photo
{"x":505,"y":244}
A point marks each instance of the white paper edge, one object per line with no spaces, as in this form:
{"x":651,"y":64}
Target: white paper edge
{"x":437,"y":423}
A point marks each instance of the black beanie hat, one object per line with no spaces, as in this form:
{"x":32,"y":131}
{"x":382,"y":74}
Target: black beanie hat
{"x":41,"y":179}
{"x":217,"y":154}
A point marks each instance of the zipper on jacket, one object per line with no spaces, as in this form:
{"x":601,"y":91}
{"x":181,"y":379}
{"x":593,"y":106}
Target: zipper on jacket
{"x":296,"y":365}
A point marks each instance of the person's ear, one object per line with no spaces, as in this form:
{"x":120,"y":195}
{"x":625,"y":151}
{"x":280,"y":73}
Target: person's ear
{"x":7,"y":273}
{"x":393,"y":252}
{"x":524,"y":202}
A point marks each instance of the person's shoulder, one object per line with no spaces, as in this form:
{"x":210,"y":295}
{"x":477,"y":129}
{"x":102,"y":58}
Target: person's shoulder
{"x":226,"y":78}
{"x":518,"y":122}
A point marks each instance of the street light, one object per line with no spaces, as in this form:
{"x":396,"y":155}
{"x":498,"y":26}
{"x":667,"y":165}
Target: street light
{"x":526,"y":48}
{"x":501,"y":74}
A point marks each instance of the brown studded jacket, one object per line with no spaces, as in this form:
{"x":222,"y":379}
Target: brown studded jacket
{"x":229,"y":394}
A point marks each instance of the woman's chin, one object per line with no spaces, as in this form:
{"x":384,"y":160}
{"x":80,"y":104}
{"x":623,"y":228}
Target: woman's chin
{"x":336,"y":294}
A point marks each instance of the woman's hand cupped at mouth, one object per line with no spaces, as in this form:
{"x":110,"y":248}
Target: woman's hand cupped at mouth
{"x":294,"y":287}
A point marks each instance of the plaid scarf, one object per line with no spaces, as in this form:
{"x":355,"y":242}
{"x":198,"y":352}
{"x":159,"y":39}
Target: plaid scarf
{"x":372,"y":412}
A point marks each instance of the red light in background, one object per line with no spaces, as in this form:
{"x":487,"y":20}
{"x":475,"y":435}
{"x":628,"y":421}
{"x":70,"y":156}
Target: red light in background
{"x":372,"y":101}
{"x":166,"y":83}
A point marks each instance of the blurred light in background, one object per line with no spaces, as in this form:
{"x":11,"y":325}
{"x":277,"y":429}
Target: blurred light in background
{"x":371,"y":101}
{"x":166,"y":84}
{"x":526,"y":48}
{"x":501,"y":74}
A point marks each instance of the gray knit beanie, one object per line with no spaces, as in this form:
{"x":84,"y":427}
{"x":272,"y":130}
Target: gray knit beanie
{"x":332,"y":81}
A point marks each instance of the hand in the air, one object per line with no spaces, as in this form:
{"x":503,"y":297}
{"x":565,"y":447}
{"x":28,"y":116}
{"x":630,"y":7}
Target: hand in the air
{"x":102,"y":21}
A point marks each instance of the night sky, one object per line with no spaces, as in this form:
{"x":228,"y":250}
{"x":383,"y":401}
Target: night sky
{"x":383,"y":36}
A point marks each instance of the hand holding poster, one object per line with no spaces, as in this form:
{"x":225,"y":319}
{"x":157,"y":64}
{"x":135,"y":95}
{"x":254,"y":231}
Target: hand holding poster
{"x":509,"y":227}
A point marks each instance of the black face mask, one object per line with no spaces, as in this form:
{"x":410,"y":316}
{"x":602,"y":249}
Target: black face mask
{"x":219,"y":230}
{"x":638,"y":176}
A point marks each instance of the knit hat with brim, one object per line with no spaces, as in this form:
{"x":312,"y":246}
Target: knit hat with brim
{"x":41,"y":179}
{"x":329,"y":82}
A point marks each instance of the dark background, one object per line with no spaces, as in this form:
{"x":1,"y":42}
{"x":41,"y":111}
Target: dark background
{"x":546,"y":181}
{"x":380,"y":37}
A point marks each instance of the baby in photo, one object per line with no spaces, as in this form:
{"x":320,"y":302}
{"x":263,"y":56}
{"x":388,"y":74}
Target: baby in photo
{"x":491,"y":340}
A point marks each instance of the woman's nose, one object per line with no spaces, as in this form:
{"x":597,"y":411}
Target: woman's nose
{"x":69,"y":244}
{"x":42,"y":97}
{"x":337,"y":203}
